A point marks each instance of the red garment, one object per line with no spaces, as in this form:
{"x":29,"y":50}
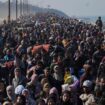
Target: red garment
{"x":46,"y":47}
{"x":38,"y":47}
{"x":9,"y":64}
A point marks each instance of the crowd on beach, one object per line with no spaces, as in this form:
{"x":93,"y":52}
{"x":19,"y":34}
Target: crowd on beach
{"x":47,"y":59}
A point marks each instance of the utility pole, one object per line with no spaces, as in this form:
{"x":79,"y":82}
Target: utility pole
{"x":20,"y":7}
{"x":9,"y":11}
{"x":27,"y":8}
{"x":16,"y":9}
{"x":23,"y":5}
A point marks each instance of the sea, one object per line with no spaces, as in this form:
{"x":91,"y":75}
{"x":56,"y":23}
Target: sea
{"x":88,"y":19}
{"x":91,"y":19}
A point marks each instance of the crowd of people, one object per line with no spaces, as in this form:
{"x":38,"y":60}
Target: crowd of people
{"x":51,"y":60}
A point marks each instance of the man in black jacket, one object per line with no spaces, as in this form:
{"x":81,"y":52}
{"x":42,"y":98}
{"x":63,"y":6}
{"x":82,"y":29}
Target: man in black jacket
{"x":99,"y":23}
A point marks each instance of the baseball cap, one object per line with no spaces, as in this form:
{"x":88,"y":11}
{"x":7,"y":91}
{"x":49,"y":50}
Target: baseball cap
{"x":87,"y":83}
{"x":19,"y":89}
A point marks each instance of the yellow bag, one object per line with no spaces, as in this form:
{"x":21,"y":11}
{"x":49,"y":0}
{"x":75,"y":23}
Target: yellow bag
{"x":67,"y":78}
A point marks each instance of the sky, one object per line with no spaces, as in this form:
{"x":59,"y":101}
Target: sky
{"x":74,"y":7}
